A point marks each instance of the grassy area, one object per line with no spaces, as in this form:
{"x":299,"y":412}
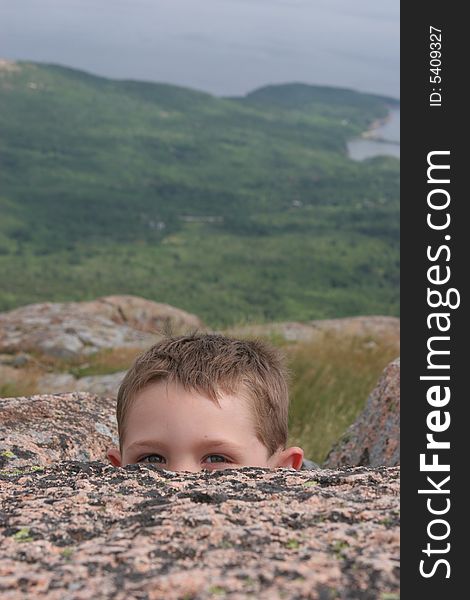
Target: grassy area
{"x":26,"y":386}
{"x":332,"y":380}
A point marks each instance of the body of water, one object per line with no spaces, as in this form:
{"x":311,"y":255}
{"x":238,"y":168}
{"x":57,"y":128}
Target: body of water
{"x":384,"y":140}
{"x":226,"y":47}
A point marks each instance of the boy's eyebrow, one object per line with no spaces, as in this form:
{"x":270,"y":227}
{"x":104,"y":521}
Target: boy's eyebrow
{"x":203,"y":443}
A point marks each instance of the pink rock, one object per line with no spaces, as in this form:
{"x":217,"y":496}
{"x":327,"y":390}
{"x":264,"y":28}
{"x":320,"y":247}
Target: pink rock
{"x":44,"y":429}
{"x":75,"y":329}
{"x":89,"y":530}
{"x":75,"y":527}
{"x":374,"y":438}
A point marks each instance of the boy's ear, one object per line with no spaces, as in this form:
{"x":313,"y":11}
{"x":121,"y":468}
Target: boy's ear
{"x":114,"y":456}
{"x":291,"y":458}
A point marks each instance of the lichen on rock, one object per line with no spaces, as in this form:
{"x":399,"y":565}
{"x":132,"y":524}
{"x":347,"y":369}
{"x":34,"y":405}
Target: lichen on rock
{"x":73,"y":526}
{"x":86,"y":529}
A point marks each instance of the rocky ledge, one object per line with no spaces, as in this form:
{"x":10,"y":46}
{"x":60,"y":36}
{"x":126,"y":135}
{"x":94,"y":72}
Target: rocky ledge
{"x":374,"y":438}
{"x":80,"y":530}
{"x":74,"y":329}
{"x":73,"y":527}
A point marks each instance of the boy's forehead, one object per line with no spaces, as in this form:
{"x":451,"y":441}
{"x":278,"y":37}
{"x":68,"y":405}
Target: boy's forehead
{"x":229,"y":425}
{"x":160,"y":399}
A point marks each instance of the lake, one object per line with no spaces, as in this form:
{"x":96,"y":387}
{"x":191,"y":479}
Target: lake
{"x":226,"y":47}
{"x":384,"y":140}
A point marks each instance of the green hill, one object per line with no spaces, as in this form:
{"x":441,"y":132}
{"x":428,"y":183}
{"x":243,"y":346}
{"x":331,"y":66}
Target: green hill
{"x":236,"y":209}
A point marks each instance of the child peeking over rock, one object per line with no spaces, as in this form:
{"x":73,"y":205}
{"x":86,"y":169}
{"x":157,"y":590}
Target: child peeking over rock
{"x":205,"y":401}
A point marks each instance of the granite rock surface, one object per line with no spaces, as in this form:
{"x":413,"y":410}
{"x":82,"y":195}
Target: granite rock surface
{"x":74,"y":527}
{"x":43,"y":429}
{"x":107,"y":385}
{"x":80,"y":530}
{"x":75,"y":329}
{"x":374,"y":438}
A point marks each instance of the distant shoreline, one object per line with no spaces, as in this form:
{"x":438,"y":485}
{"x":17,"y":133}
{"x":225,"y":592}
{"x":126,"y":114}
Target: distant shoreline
{"x":371,"y":132}
{"x":375,"y":141}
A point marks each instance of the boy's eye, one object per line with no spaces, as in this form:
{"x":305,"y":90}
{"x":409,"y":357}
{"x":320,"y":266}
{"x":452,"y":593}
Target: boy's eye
{"x":223,"y":459}
{"x":151,"y":456}
{"x":157,"y":458}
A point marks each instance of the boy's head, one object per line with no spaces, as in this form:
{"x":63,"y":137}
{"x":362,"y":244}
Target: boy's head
{"x":205,"y":401}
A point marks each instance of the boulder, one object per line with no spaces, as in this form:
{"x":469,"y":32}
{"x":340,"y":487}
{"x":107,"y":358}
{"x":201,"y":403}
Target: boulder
{"x":73,"y":526}
{"x":88,"y":530}
{"x":104,"y":385}
{"x":143,"y":315}
{"x":72,"y":330}
{"x":44,"y":429}
{"x":374,"y":438}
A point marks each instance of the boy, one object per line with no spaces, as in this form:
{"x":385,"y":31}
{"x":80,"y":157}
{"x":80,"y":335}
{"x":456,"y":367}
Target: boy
{"x":191,"y":399}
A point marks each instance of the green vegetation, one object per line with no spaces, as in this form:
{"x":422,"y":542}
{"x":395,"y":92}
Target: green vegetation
{"x":67,"y":553}
{"x":236,"y":209}
{"x":8,"y":454}
{"x":338,"y":549}
{"x":217,"y":590}
{"x":23,"y":535}
{"x":331,"y":381}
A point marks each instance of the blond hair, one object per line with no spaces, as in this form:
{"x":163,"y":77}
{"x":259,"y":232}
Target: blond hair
{"x":213,"y":363}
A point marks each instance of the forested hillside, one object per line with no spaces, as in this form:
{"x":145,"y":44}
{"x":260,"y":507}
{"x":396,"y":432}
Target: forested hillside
{"x":236,"y":209}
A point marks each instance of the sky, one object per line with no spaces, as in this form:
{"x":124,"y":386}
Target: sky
{"x":226,"y":47}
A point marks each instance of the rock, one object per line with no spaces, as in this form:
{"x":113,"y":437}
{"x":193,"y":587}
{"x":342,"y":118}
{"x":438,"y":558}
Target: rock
{"x":374,"y":438}
{"x":73,"y":526}
{"x":15,"y":360}
{"x":76,"y":329}
{"x":44,"y":429}
{"x":101,"y":384}
{"x":293,"y":331}
{"x":144,"y":315}
{"x":309,"y":464}
{"x":104,"y":385}
{"x":89,"y":530}
{"x":52,"y":383}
